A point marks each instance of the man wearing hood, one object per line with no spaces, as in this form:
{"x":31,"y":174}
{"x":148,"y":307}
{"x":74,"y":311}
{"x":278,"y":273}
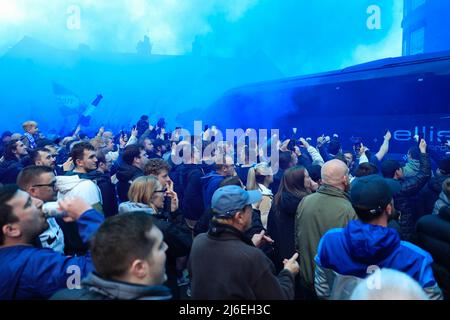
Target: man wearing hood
{"x":347,"y":255}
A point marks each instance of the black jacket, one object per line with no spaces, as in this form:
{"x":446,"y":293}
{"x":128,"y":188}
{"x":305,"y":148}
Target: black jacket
{"x":108,"y":191}
{"x":406,"y":199}
{"x":433,"y":233}
{"x":126,"y":175}
{"x":224,"y":264}
{"x":281,"y":227}
{"x":429,"y":194}
{"x":188,"y":186}
{"x":9,"y":170}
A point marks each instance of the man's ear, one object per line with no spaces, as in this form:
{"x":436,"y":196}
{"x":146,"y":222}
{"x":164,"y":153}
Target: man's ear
{"x":389,"y":209}
{"x":139,"y":268}
{"x":11,"y":230}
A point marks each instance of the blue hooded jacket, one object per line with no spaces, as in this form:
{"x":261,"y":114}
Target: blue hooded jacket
{"x":29,"y":273}
{"x":210,"y":183}
{"x":350,"y":251}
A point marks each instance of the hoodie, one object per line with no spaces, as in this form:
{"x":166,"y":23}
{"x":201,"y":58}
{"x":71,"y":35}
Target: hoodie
{"x":210,"y":183}
{"x":347,"y":255}
{"x":126,"y":174}
{"x":106,"y":187}
{"x":188,"y":186}
{"x":71,"y":186}
{"x":95,"y":287}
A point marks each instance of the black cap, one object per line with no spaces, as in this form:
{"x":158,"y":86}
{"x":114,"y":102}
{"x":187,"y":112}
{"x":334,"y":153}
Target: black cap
{"x":371,"y":193}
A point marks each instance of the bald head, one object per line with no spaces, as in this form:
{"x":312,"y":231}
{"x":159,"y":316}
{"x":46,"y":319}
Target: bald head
{"x":334,"y":173}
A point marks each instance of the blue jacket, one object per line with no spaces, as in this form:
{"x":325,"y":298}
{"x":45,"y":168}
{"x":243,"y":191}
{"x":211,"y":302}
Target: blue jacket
{"x":210,"y":183}
{"x":28,"y":273}
{"x":351,"y":251}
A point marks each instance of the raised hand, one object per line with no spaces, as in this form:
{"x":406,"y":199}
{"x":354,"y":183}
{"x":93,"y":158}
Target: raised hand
{"x":292,"y":264}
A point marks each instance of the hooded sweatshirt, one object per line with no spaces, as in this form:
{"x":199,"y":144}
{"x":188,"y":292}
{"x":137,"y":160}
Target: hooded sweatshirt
{"x":74,"y":186}
{"x":347,"y":255}
{"x":95,"y":287}
{"x":210,"y":183}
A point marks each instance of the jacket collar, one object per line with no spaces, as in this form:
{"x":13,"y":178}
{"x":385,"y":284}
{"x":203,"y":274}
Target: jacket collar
{"x":333,"y":191}
{"x":124,"y":291}
{"x":227,"y":232}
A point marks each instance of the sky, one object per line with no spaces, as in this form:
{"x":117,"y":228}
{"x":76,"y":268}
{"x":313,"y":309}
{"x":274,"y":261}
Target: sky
{"x":298,"y":36}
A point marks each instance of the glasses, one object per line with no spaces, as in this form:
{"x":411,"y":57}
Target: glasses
{"x":163,"y":190}
{"x":52,"y":185}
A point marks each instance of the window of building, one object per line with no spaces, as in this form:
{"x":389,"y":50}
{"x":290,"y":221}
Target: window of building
{"x":417,"y":41}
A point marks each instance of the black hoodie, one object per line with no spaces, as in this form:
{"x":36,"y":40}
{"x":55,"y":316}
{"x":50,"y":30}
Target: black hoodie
{"x":126,"y":175}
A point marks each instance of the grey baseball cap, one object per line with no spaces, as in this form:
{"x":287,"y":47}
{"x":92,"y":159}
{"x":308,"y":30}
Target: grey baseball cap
{"x":228,"y":200}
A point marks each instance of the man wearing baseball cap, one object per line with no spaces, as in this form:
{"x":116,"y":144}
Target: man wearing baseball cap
{"x":225,"y":264}
{"x":347,"y":255}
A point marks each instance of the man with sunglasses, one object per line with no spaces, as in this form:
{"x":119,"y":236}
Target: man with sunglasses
{"x":39,"y":182}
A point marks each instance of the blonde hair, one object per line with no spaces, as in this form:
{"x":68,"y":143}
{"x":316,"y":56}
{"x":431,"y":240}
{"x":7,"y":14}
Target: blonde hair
{"x":142,"y":189}
{"x":257,"y":174}
{"x":27,"y":125}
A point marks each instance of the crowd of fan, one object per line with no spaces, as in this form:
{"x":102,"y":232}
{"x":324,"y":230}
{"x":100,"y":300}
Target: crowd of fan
{"x":113,"y":217}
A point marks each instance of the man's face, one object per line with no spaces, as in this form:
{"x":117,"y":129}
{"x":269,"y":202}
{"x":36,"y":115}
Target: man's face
{"x":148,"y":145}
{"x":44,"y":189}
{"x":247,"y":217}
{"x":157,"y":258}
{"x":163,"y":178}
{"x":89,"y":162}
{"x":32,"y":221}
{"x":349,"y":159}
{"x":33,"y":130}
{"x":142,"y":160}
{"x":46,"y":159}
{"x":21,"y":149}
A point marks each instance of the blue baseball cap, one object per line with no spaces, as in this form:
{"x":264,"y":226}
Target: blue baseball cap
{"x":228,"y":200}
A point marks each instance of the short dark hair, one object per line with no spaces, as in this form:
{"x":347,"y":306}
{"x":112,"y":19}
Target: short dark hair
{"x":120,"y":240}
{"x":285,"y":159}
{"x":11,"y":146}
{"x":231,"y":181}
{"x":389,"y":167}
{"x":34,"y":154}
{"x":334,"y":146}
{"x":30,"y":175}
{"x":365,"y":169}
{"x":414,"y":152}
{"x":77,"y":152}
{"x":155,"y":166}
{"x":100,"y":157}
{"x":7,"y":192}
{"x":131,"y":152}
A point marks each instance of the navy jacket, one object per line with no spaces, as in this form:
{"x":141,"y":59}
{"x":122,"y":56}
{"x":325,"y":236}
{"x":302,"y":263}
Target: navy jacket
{"x":210,"y":183}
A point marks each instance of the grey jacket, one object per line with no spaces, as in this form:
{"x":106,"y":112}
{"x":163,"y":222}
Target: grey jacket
{"x":443,"y":201}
